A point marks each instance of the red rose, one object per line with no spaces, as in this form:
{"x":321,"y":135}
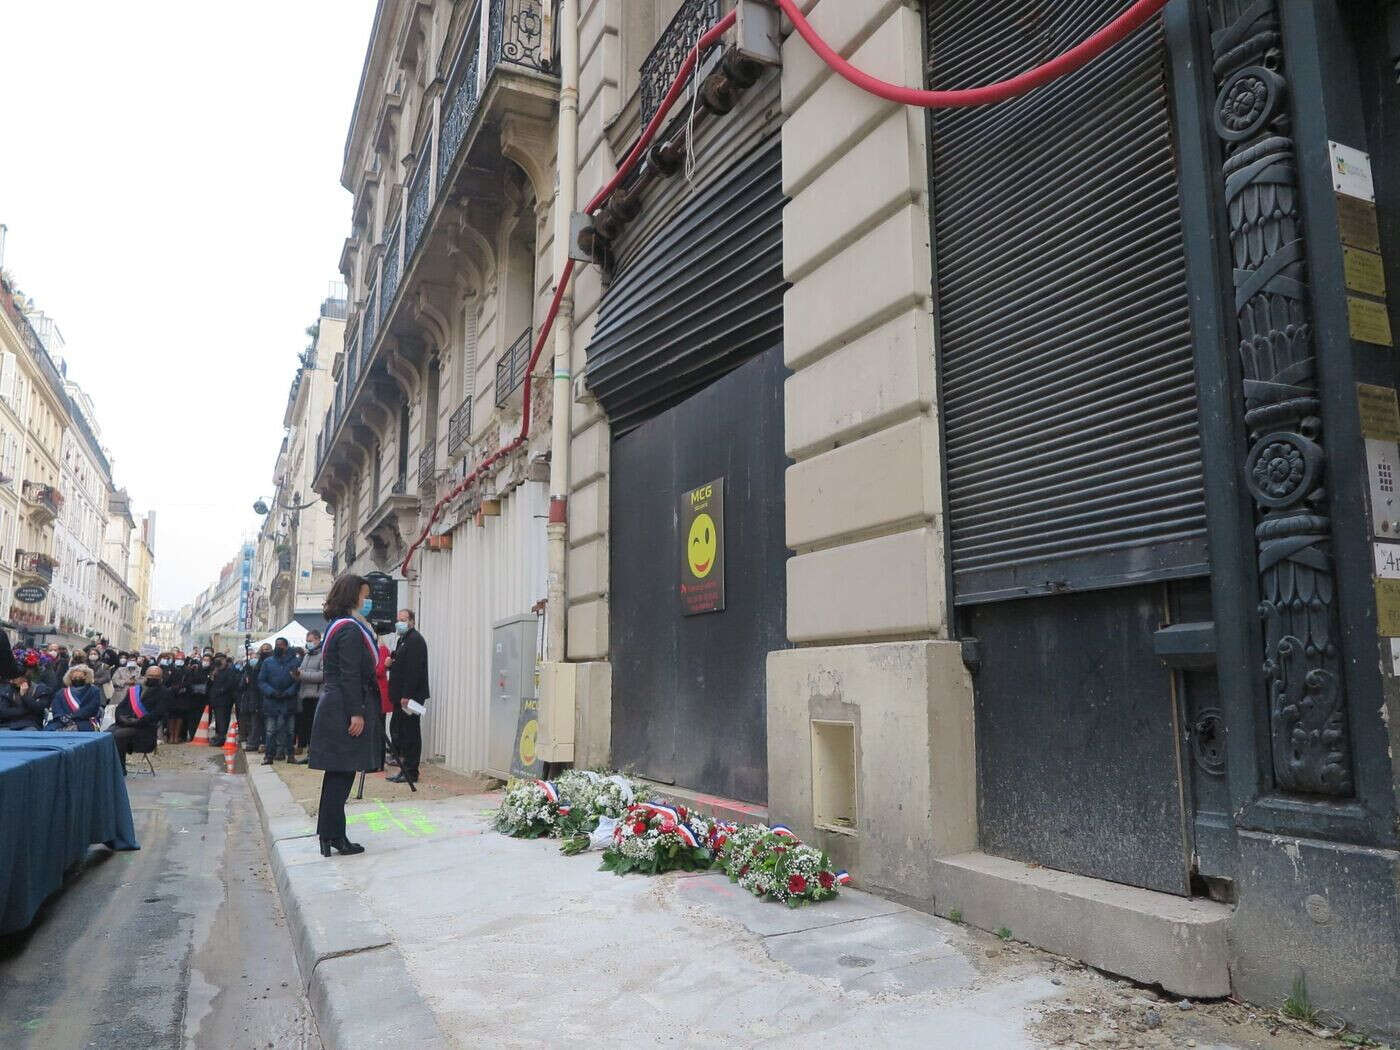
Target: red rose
{"x":31,"y":659}
{"x":682,"y":811}
{"x":827,"y":880}
{"x":797,"y":884}
{"x":720,"y":840}
{"x":668,"y":825}
{"x":639,"y":828}
{"x":743,"y":871}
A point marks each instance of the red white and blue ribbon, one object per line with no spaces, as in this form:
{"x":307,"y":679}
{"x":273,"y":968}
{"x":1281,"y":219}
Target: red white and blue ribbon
{"x":655,"y":809}
{"x":783,"y":830}
{"x":369,"y":641}
{"x":133,"y":697}
{"x":843,"y":877}
{"x":73,"y":705}
{"x":550,"y":791}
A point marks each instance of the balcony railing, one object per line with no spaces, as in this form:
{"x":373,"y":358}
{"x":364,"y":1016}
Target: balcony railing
{"x":37,"y":564}
{"x":459,"y":104}
{"x":46,"y":497}
{"x":392,"y":271}
{"x":459,"y":427}
{"x":510,"y":369}
{"x":427,"y":467}
{"x":416,"y":210}
{"x":660,"y":67}
{"x":371,"y":326}
{"x":517,"y":35}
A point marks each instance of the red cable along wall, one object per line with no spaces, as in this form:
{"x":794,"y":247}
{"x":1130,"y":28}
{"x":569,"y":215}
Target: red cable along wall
{"x":1078,"y":56}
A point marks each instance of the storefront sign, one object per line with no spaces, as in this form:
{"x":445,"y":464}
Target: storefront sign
{"x":1364,"y":272}
{"x":1369,"y":321}
{"x":525,"y":760}
{"x":702,"y":556}
{"x":1380,"y":414}
{"x":384,"y":593}
{"x":31,"y":595}
{"x":1357,"y":223}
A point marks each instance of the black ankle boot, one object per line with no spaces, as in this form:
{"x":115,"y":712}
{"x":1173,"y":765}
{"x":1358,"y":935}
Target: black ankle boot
{"x":345,"y":846}
{"x":325,"y":847}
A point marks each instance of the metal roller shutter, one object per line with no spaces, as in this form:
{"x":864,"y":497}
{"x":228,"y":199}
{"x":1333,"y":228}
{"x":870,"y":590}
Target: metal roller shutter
{"x":703,"y":295}
{"x":1069,"y":400}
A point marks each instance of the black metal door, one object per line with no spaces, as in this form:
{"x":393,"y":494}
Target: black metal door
{"x":1075,"y":489}
{"x":689,"y":693}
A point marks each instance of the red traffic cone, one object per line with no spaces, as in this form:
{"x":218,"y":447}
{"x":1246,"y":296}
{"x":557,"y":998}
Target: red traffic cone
{"x":231,"y":738}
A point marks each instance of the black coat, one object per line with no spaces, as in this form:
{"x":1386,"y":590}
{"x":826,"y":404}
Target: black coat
{"x":155,"y":700}
{"x":9,"y":668}
{"x":24,"y":711}
{"x":223,"y":688}
{"x":349,"y":656}
{"x":408,"y":675}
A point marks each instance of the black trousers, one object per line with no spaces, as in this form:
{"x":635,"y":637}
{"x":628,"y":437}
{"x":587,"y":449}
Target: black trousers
{"x":330,"y":817}
{"x":125,"y":736}
{"x":222,"y":716}
{"x":407,"y":731}
{"x":305,"y":717}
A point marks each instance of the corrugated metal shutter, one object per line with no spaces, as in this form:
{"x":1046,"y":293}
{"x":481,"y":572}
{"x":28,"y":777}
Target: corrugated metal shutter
{"x":1069,"y":399}
{"x":699,"y":297}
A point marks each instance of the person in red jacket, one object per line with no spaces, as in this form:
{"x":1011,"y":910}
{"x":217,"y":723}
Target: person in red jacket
{"x":386,"y":706}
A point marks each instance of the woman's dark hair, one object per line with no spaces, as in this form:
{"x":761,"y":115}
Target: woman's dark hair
{"x":344,"y":596}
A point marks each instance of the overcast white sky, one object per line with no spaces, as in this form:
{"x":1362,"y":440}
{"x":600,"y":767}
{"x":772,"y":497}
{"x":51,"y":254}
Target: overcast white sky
{"x":170,"y":177}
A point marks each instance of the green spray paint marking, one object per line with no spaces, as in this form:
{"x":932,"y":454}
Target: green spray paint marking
{"x":409,"y":820}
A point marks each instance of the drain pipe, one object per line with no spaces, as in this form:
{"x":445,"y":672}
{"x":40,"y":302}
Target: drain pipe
{"x":565,"y":203}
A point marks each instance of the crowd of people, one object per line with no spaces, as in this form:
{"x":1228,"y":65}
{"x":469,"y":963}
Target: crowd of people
{"x":275,"y":691}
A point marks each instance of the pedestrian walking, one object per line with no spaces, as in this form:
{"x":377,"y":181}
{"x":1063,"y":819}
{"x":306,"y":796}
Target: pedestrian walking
{"x":309,"y":679}
{"x":408,"y":685}
{"x":345,"y":737}
{"x":279,"y":692}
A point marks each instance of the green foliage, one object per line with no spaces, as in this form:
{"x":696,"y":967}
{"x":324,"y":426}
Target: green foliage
{"x":1298,"y":1007}
{"x":678,"y":857}
{"x":1003,"y":932}
{"x":955,"y":915}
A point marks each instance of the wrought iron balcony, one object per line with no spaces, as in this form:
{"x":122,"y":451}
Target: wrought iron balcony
{"x":459,"y":427}
{"x":660,"y":67}
{"x":392,"y":270}
{"x":459,"y":103}
{"x":35,"y":565}
{"x":45,"y":499}
{"x":517,"y":35}
{"x":427,"y":468}
{"x":416,"y":208}
{"x":510,"y":369}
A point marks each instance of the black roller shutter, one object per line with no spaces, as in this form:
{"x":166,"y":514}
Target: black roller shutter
{"x":703,"y":296}
{"x":1069,"y":399}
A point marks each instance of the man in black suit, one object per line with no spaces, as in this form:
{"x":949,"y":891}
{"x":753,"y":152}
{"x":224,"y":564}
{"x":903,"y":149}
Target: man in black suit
{"x":408,"y":680}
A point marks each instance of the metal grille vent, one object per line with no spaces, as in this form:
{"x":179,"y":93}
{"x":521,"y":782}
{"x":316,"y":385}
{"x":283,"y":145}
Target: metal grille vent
{"x":1069,"y":400}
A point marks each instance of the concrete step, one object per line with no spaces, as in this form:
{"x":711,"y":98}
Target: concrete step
{"x":709,"y":805}
{"x":1155,"y":938}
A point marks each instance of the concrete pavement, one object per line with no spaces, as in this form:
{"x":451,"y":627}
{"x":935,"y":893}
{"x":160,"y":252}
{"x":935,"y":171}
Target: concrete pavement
{"x":478,"y":940}
{"x":181,"y":944}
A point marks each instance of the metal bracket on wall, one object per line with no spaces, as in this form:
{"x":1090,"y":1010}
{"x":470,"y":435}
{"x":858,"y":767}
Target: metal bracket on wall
{"x":1183,"y":646}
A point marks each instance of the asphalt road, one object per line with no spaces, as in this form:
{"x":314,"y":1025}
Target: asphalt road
{"x":180,"y":944}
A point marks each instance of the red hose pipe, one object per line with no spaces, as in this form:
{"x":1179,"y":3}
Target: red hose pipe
{"x":1080,"y":55}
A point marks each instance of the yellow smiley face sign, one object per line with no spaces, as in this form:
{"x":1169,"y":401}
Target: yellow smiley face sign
{"x":700,"y":546}
{"x":529,"y":736}
{"x":701,"y":587}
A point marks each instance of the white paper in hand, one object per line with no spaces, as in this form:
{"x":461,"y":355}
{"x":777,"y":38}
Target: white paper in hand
{"x":415,"y":708}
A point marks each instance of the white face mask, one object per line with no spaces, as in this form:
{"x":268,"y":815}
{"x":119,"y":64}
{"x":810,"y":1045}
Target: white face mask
{"x":206,"y":663}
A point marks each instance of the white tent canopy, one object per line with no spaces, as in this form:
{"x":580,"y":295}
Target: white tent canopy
{"x":294,"y":632}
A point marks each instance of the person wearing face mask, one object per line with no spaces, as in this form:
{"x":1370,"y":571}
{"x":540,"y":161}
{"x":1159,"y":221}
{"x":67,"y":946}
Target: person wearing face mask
{"x":138,"y":715}
{"x":77,"y":706}
{"x":196,"y":690}
{"x":23,"y":703}
{"x":223,"y":690}
{"x":250,"y":714}
{"x":279,"y":691}
{"x":345,"y":735}
{"x":309,"y":679}
{"x":408,"y":681}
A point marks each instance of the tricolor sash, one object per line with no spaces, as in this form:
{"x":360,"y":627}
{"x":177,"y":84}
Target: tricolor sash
{"x":73,"y":705}
{"x":344,"y":621}
{"x":133,"y":697}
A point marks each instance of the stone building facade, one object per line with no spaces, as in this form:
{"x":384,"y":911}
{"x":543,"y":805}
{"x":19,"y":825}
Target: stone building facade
{"x":1033,"y":603}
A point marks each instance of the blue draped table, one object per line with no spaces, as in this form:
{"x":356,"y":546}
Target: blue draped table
{"x":59,"y":794}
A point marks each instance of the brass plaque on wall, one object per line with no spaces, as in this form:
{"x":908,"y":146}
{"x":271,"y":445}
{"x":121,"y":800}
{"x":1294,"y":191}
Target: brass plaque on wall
{"x":1369,"y":321}
{"x":1388,"y":608}
{"x":1380,"y":413}
{"x":1364,"y":272}
{"x":1356,"y":220}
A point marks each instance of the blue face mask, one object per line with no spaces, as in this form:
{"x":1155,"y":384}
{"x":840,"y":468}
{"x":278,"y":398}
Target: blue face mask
{"x":401,"y":627}
{"x":366,"y":607}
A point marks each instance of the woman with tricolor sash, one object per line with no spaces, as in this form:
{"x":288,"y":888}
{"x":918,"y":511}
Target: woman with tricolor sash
{"x":77,"y":705}
{"x":345,"y":735}
{"x":138,"y":715}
